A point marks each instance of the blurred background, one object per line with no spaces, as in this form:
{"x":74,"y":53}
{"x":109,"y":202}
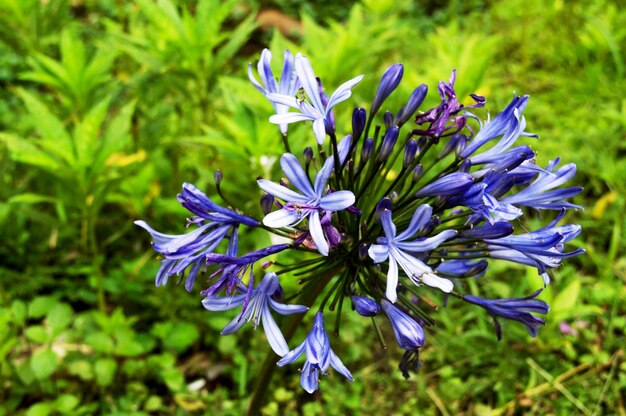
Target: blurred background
{"x":107,"y":106}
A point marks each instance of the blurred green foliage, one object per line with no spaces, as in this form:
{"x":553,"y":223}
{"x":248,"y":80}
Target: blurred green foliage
{"x":106,"y":107}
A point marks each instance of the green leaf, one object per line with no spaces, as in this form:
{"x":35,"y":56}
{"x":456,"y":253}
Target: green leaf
{"x":39,"y":409}
{"x":181,"y":336}
{"x":66,"y":403}
{"x":59,"y":316}
{"x":81,"y":368}
{"x":105,"y":371}
{"x":39,"y":306}
{"x":566,"y":298}
{"x":20,"y":312}
{"x":100,"y":342}
{"x":86,"y":133}
{"x":54,"y":137}
{"x":37,"y":334}
{"x":43,"y":363}
{"x":30,"y":198}
{"x":24,"y":151}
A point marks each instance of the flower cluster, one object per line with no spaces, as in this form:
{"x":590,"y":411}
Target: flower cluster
{"x":378,"y":215}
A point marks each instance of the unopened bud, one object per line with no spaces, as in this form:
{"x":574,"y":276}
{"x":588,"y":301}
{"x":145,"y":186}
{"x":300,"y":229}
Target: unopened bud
{"x":417,"y":172}
{"x":367,"y":149}
{"x":415,"y":100}
{"x":409,"y":153}
{"x":267,"y":201}
{"x":389,"y":141}
{"x":307,"y":154}
{"x":388,"y":119}
{"x":359,"y":117}
{"x":389,"y":82}
{"x":365,"y":306}
{"x":218,"y":177}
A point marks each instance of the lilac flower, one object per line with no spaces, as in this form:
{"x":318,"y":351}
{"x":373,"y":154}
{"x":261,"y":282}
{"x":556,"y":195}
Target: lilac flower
{"x":448,"y":185}
{"x":365,"y":306}
{"x":188,"y":251}
{"x":462,"y":268}
{"x":319,"y":356}
{"x":415,"y":100}
{"x":516,"y":309}
{"x":256,"y":308}
{"x":288,"y":84}
{"x":305,"y":205}
{"x":315,"y":110}
{"x":408,"y":332}
{"x":396,"y":248}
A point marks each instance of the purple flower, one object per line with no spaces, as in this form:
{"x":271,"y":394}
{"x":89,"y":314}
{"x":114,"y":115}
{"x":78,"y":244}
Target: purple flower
{"x":288,"y":84}
{"x":462,"y":268}
{"x":314,"y":109}
{"x":516,"y":309}
{"x":448,"y":185}
{"x":309,"y":203}
{"x":408,"y":332}
{"x":188,"y":251}
{"x":319,"y":356}
{"x":396,"y":248}
{"x":256,"y":308}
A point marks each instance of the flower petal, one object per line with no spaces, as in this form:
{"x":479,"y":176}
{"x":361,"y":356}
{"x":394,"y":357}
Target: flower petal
{"x":378,"y":252}
{"x":388,"y":225}
{"x":287,"y":118}
{"x":336,"y":363}
{"x":432,"y":280}
{"x":285,"y":309}
{"x":343,"y":92}
{"x":392,"y":281}
{"x":322,"y":177}
{"x":337,"y":201}
{"x":317,"y":233}
{"x":309,"y":378}
{"x":272,"y":332}
{"x":280,"y":191}
{"x":292,"y":355}
{"x":296,"y":175}
{"x":234,"y":325}
{"x":223,"y":303}
{"x":420,"y":218}
{"x":281,"y":218}
{"x":309,"y":81}
{"x":319,"y":128}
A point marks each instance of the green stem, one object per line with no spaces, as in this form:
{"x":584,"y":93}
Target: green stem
{"x":269,"y":365}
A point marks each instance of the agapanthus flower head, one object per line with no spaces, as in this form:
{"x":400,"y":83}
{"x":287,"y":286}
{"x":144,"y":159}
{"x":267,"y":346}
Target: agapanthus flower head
{"x":256,"y":305}
{"x":457,"y":189}
{"x":516,"y":309}
{"x":319,"y":356}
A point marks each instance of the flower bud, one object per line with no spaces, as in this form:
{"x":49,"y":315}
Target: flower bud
{"x":388,"y":119}
{"x":367,"y":149}
{"x":449,"y":185}
{"x":415,"y":100}
{"x":363,"y":251}
{"x":389,"y":141}
{"x":359,"y":117}
{"x":456,"y":143}
{"x":417,"y":172}
{"x":409,"y":153}
{"x":218,"y":177}
{"x":407,"y":331}
{"x":389,"y":82}
{"x":307,"y":154}
{"x":365,"y":306}
{"x":383,"y":204}
{"x":267,"y":201}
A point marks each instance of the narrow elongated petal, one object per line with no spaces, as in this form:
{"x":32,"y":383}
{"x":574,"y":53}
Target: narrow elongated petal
{"x":309,"y":81}
{"x":292,"y":355}
{"x":337,"y":201}
{"x":309,"y":379}
{"x":449,"y":185}
{"x":392,"y":281}
{"x":342,"y":93}
{"x":272,"y":332}
{"x":336,"y":363}
{"x":296,"y":175}
{"x":317,"y":233}
{"x":321,"y":179}
{"x":288,"y":118}
{"x":388,"y":226}
{"x":235,"y":325}
{"x":223,"y":303}
{"x":319,"y":128}
{"x":432,"y":280}
{"x":423,"y":245}
{"x":420,"y":218}
{"x":285,"y":309}
{"x":281,"y":218}
{"x":281,"y":192}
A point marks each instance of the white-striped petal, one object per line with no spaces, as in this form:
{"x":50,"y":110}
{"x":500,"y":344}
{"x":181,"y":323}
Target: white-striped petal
{"x":280,"y":191}
{"x":296,"y":175}
{"x":392,"y":281}
{"x":337,"y":201}
{"x":281,"y":218}
{"x":317,"y":233}
{"x":272,"y":332}
{"x":223,"y":303}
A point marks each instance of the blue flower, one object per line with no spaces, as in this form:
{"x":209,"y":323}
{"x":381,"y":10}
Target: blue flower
{"x":396,"y":248}
{"x":315,"y":110}
{"x":509,"y":124}
{"x":516,"y":309}
{"x":448,"y":185}
{"x":256,"y":308}
{"x":541,"y":248}
{"x":309,"y":203}
{"x":189,"y":250}
{"x":462,"y":268}
{"x":319,"y":356}
{"x":541,"y":193}
{"x":288,"y":84}
{"x":389,"y":82}
{"x":408,"y":332}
